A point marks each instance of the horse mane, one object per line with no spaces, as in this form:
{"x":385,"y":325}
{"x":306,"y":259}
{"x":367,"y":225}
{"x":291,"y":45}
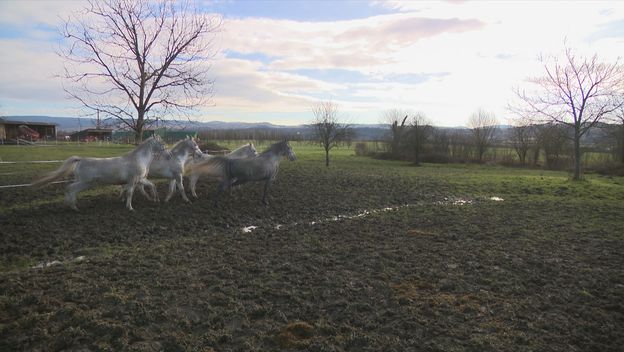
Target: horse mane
{"x":178,"y":144}
{"x":275,"y":147}
{"x":141,"y":145}
{"x":240,"y":148}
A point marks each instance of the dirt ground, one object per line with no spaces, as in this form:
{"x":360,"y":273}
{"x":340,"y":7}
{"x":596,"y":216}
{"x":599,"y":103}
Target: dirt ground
{"x":339,"y":261}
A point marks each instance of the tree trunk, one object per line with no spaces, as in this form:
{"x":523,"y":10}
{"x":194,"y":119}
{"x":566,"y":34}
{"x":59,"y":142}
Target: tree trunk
{"x":577,"y":156}
{"x":138,"y":128}
{"x":536,"y":154}
{"x":326,"y":157}
{"x":622,"y":143}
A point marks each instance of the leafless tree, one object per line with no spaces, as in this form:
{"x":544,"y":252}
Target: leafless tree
{"x":483,"y":126}
{"x":419,"y":132}
{"x":396,"y":118}
{"x":553,"y":139}
{"x":440,"y":142}
{"x":522,"y":137}
{"x":138,"y":60}
{"x":575,"y":91}
{"x":327,"y":126}
{"x":618,"y":133}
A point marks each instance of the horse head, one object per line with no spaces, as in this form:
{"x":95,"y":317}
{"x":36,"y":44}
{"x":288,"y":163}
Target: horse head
{"x":157,"y":145}
{"x":287,"y":150}
{"x":252,"y":150}
{"x":197,"y":153}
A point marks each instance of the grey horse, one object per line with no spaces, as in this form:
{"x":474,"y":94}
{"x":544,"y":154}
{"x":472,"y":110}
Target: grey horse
{"x":171,"y":166}
{"x":246,"y":151}
{"x":263,"y":167}
{"x":128,"y":170}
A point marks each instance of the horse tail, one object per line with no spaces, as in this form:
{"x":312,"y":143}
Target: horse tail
{"x":68,"y":167}
{"x":192,"y":164}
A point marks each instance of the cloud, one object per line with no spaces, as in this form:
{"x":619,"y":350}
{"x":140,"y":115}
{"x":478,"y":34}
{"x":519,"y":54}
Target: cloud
{"x":28,"y":73}
{"x":341,"y":44}
{"x":26,"y":12}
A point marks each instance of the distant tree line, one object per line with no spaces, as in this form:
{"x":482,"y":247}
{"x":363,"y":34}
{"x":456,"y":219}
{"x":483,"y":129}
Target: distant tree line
{"x":412,"y":138}
{"x":565,"y":117}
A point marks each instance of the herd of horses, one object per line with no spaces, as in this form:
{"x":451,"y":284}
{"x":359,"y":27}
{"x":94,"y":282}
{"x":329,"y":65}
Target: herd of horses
{"x":152,"y":159}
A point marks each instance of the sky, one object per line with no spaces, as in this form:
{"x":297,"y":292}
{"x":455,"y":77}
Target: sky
{"x":273,"y":60}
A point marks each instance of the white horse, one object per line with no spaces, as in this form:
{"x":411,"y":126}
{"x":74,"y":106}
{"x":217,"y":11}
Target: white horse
{"x":246,"y":151}
{"x":129,"y":170}
{"x":234,"y":172}
{"x":172,"y":166}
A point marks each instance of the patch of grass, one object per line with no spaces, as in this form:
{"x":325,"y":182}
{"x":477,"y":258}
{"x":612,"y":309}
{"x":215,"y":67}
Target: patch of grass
{"x":19,"y":262}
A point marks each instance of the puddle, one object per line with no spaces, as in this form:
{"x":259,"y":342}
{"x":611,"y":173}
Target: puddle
{"x":454,"y":201}
{"x":446,"y":201}
{"x":248,"y":229}
{"x":57,"y":262}
{"x":47,"y":264}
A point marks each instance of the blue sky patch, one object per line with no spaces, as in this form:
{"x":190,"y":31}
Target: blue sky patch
{"x":299,"y":10}
{"x":613,"y":29}
{"x":353,"y":77}
{"x":256,"y":56}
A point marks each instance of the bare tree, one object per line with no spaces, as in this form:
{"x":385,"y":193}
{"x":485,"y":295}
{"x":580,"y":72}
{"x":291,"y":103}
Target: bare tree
{"x":327,"y":126}
{"x":554,"y":139}
{"x":441,"y":142}
{"x":419,"y":132}
{"x":618,"y":118}
{"x":138,"y":60}
{"x":483,"y":126}
{"x":577,"y":92}
{"x":522,"y":137}
{"x":396,"y":119}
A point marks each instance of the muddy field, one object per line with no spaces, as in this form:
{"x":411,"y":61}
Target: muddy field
{"x":366,"y":256}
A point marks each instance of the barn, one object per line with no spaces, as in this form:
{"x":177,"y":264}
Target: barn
{"x":93,"y":135}
{"x":12,"y":131}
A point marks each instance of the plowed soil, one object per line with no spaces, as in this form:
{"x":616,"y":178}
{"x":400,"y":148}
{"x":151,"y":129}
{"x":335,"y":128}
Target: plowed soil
{"x":369,"y":256}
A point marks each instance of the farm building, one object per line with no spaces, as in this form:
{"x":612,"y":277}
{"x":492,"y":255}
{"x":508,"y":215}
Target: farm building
{"x":12,"y":131}
{"x":93,"y":134}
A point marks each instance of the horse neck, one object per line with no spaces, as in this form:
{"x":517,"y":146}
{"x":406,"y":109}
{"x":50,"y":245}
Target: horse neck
{"x":180,"y":151}
{"x":272,"y":154}
{"x":142,"y":152}
{"x":239,"y":152}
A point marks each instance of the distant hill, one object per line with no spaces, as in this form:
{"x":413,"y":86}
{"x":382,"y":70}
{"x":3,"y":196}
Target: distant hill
{"x":70,"y":124}
{"x":74,"y":123}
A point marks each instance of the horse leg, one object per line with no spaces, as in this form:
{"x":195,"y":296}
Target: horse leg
{"x":152,"y":187}
{"x":172,"y":187}
{"x":72,"y":189}
{"x":192,"y":182}
{"x":142,"y":189}
{"x":267,"y":185}
{"x":222,"y":186}
{"x":180,"y":182}
{"x":122,"y":191}
{"x":129,"y":193}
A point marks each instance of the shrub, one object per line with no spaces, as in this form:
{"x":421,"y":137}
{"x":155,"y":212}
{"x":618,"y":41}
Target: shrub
{"x":361,"y":149}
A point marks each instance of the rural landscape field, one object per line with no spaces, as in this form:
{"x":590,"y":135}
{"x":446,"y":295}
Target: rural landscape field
{"x":365,"y":255}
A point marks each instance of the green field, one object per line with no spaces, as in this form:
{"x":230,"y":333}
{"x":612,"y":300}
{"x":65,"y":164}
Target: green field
{"x":366,"y":255}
